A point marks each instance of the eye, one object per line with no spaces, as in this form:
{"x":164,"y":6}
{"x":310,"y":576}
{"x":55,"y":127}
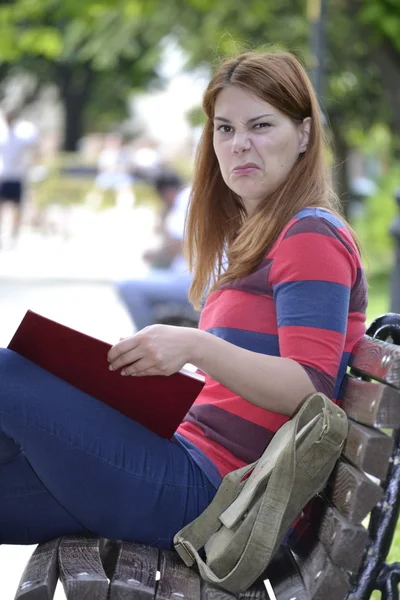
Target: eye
{"x":262,"y":125}
{"x":225,"y":128}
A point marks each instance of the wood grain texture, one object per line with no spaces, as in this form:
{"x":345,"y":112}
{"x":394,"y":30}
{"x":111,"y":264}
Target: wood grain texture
{"x":134,"y":576}
{"x":208,"y":592}
{"x":368,"y":449}
{"x":344,"y":542}
{"x":322,"y":578}
{"x":81,"y":569}
{"x":352,"y":492}
{"x":377,"y":359}
{"x":371,"y":403}
{"x":285,"y":577}
{"x":177,"y":582}
{"x":256,"y":592}
{"x":39,"y":579}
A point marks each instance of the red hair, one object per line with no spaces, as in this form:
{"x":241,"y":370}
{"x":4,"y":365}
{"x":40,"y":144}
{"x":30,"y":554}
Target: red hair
{"x":217,"y":222}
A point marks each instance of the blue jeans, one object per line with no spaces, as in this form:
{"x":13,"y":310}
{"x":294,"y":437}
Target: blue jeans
{"x":141,"y":295}
{"x":70,"y":464}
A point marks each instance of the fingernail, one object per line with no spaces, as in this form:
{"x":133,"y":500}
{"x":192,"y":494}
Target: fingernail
{"x":110,"y":368}
{"x":123,"y":373}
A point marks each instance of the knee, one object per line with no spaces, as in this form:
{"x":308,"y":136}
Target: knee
{"x":10,"y":362}
{"x":10,"y":368}
{"x":121,"y":287}
{"x":6,"y":355}
{"x":128,"y":288}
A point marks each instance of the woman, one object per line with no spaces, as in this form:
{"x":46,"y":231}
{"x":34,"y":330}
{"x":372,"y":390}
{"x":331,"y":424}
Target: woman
{"x":280,"y":320}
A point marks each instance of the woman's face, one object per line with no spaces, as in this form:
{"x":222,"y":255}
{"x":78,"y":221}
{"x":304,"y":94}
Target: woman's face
{"x":255,"y":143}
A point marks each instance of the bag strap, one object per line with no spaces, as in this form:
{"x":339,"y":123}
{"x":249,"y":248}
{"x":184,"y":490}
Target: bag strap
{"x":267,"y":526}
{"x":234,"y":489}
{"x":207,"y":523}
{"x":267,"y":529}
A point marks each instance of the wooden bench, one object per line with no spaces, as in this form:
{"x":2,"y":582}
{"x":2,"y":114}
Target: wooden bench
{"x":331,"y":555}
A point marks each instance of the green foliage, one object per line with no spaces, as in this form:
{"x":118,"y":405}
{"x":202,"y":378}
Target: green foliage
{"x":97,"y":50}
{"x":384,"y":17}
{"x":378,"y":294}
{"x":97,"y":31}
{"x":374,"y":142}
{"x":195,"y":116}
{"x":209,"y":34}
{"x":373,"y":227}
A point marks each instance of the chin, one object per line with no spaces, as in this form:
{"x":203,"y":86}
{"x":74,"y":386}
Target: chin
{"x":249,"y":191}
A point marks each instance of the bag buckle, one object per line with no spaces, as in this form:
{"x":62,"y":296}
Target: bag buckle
{"x":184,"y":551}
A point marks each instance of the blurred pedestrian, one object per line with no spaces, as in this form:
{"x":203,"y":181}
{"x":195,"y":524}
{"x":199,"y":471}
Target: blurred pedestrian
{"x":113,"y":174}
{"x":17,"y":141}
{"x":168,"y":280}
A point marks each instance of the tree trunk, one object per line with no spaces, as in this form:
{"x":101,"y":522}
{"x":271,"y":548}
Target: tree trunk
{"x":75,"y":83}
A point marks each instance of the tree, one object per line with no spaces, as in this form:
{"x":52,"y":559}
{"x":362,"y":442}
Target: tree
{"x":94,"y":51}
{"x":382,"y":19}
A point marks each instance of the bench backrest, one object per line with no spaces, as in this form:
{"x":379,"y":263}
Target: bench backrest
{"x":335,"y":553}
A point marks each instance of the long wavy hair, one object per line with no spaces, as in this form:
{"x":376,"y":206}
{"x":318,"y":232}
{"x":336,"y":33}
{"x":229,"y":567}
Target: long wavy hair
{"x":217,"y":225}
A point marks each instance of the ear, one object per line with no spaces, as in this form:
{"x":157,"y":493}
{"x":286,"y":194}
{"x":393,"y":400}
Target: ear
{"x":304,"y":132}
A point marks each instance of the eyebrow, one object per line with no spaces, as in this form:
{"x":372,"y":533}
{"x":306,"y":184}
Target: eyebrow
{"x":249,"y":121}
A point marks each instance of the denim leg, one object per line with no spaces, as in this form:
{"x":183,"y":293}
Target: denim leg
{"x":86,"y":465}
{"x":29,"y":513}
{"x":141,"y":295}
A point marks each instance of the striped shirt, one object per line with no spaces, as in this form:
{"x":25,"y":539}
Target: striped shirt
{"x":306,"y":301}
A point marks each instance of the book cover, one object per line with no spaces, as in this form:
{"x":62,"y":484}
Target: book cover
{"x":157,"y":402}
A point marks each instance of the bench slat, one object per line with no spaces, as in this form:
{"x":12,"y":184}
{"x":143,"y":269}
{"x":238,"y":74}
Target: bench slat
{"x":371,"y":403}
{"x":211,"y":593}
{"x":39,"y":579}
{"x":352,"y":492}
{"x":284,"y":576}
{"x":256,"y":592}
{"x":323,"y":579}
{"x":377,"y":359}
{"x":135,"y":572}
{"x":343,"y":541}
{"x":81,"y":569}
{"x":176,"y":580}
{"x":368,"y":449}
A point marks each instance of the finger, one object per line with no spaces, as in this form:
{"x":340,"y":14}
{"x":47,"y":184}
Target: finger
{"x":140,"y":367}
{"x":122,"y":347}
{"x":126,"y":359}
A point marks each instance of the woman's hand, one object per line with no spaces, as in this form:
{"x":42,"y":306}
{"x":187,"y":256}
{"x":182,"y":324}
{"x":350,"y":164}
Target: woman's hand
{"x":155,"y":350}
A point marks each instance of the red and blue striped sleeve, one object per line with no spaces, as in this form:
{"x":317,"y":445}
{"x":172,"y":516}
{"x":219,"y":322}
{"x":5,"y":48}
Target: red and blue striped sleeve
{"x":314,"y":268}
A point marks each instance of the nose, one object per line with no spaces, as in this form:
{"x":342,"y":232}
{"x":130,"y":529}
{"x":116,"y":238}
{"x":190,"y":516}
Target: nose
{"x":241,"y":142}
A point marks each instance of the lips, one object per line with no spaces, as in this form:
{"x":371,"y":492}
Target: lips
{"x":245,"y":169}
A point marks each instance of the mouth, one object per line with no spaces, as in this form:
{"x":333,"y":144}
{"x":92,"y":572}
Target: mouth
{"x":245,"y":169}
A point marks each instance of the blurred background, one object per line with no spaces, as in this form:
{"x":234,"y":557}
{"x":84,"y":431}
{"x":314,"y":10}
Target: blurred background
{"x":99,"y":99}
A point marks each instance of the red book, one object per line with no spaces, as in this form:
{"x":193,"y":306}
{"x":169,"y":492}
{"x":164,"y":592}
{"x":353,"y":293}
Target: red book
{"x":157,"y":402}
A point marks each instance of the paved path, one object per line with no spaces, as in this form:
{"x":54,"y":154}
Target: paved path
{"x":70,"y":281}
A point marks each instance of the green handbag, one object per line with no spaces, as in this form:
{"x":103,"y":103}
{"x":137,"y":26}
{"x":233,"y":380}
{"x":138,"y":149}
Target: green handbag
{"x":254,"y":506}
